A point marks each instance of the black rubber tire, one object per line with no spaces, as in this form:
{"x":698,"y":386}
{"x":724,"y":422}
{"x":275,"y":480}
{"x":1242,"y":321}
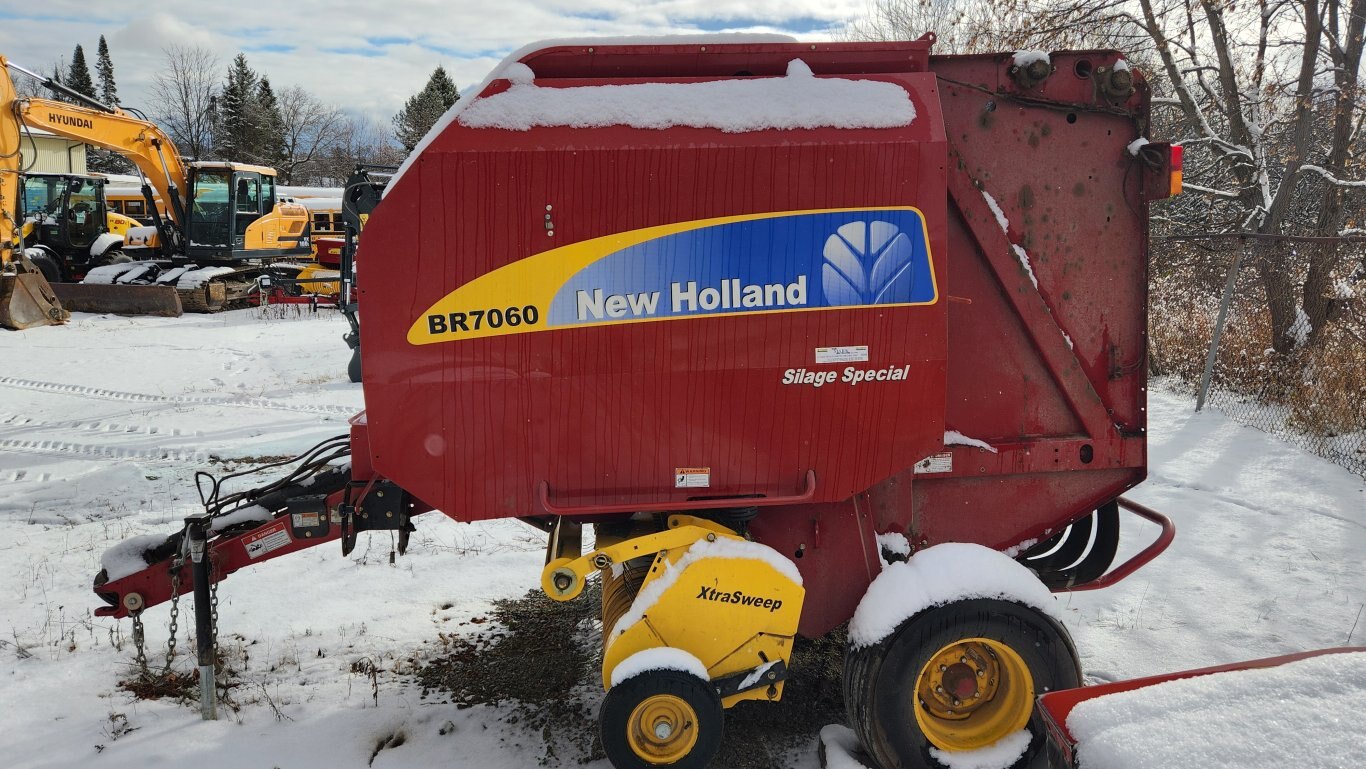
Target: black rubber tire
{"x":48,"y":266}
{"x":353,"y":368}
{"x":622,"y":699}
{"x":880,"y":680}
{"x":114,"y":257}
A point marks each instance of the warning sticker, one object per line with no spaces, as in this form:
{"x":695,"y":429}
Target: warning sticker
{"x":935,"y":463}
{"x":267,"y":540}
{"x":307,"y":520}
{"x":848,"y":354}
{"x":692,"y":477}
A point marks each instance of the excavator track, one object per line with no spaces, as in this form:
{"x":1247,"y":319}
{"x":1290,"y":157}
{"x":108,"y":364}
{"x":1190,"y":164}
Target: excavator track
{"x":216,"y":296}
{"x":209,"y":297}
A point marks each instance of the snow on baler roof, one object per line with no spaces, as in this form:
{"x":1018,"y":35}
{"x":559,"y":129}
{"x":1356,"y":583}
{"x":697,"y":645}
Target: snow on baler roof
{"x":799,"y":100}
{"x":507,"y":69}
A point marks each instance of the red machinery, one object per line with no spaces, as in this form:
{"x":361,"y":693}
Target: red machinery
{"x":1055,"y":707}
{"x":800,"y":338}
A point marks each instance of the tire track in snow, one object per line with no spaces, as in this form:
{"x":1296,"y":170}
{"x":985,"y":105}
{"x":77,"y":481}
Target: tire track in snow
{"x":107,"y":426}
{"x":21,"y":476}
{"x":91,"y":451}
{"x":82,"y":391}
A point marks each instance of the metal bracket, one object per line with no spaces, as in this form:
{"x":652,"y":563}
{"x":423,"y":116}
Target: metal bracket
{"x":747,"y":680}
{"x":386,"y":507}
{"x":563,"y":578}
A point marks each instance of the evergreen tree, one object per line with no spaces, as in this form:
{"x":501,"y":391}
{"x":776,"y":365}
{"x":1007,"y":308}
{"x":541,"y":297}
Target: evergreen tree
{"x":441,"y":84}
{"x":238,"y":114}
{"x":104,"y":68}
{"x":78,"y":76}
{"x":96,"y":159}
{"x":56,"y":77}
{"x":422,"y":111}
{"x":270,"y":142}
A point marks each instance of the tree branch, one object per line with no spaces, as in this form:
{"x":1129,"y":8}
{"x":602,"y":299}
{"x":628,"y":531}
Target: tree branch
{"x":1321,"y":171}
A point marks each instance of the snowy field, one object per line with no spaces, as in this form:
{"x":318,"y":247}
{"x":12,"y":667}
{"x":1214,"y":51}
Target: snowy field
{"x":103,"y":423}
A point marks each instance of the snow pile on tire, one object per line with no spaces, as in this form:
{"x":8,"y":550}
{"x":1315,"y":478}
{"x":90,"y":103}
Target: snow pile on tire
{"x":999,"y":755}
{"x":659,"y":658}
{"x":942,"y":574}
{"x":839,"y":745}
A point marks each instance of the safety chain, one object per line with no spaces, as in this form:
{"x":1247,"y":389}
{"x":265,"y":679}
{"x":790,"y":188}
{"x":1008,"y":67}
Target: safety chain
{"x":139,"y":642}
{"x":176,"y":565}
{"x":213,"y":606}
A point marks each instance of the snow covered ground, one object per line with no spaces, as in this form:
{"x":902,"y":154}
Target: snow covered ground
{"x":103,"y":423}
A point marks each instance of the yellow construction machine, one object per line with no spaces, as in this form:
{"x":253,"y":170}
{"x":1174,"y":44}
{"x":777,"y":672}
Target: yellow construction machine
{"x":68,"y":226}
{"x":223,"y":230}
{"x":26,"y":298}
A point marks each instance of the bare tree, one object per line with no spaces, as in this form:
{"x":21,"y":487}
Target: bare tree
{"x":184,"y":91}
{"x":26,"y":87}
{"x":309,"y":126}
{"x":987,"y":26}
{"x":1344,"y":43}
{"x":356,"y":140}
{"x":960,"y":26}
{"x":1249,"y":83}
{"x":1265,"y":96}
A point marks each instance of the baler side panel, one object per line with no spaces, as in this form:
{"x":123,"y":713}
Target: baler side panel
{"x":605,"y":414}
{"x":1052,"y":376}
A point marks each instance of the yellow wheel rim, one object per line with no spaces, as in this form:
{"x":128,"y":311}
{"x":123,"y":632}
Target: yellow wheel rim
{"x":972,"y":693}
{"x":662,"y":729}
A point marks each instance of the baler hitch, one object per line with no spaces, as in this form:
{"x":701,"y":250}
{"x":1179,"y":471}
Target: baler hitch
{"x":239,"y":528}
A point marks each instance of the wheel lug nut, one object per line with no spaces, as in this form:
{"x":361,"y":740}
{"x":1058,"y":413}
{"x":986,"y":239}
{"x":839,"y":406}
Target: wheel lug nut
{"x":943,"y":668}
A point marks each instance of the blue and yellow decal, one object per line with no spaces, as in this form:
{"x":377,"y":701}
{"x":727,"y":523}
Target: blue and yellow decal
{"x":789,"y":261}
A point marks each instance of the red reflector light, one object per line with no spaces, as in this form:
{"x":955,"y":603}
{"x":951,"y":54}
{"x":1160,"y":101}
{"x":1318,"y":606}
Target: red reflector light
{"x":1175,"y":158}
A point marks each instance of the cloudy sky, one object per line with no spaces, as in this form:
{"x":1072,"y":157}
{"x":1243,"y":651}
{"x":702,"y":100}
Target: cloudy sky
{"x":370,"y":57}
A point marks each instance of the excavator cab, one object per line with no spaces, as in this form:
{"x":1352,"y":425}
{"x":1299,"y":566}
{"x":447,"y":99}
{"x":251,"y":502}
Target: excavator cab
{"x":64,"y":215}
{"x":64,"y":218}
{"x":234,"y":214}
{"x":246,"y":206}
{"x":209,"y":231}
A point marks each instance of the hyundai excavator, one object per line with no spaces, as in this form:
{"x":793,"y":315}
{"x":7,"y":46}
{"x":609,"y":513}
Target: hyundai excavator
{"x":223,"y":230}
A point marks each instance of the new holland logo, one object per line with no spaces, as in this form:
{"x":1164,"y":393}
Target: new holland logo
{"x":868,"y":263}
{"x":775,"y":262}
{"x":738,"y":596}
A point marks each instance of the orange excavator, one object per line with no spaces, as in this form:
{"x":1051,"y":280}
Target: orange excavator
{"x":223,"y":230}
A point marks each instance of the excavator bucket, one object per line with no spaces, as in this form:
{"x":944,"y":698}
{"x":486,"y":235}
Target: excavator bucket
{"x":118,"y":299}
{"x":27,"y":300}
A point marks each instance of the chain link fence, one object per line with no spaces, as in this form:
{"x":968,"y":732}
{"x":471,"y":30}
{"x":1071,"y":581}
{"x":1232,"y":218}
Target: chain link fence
{"x":1308,"y":387}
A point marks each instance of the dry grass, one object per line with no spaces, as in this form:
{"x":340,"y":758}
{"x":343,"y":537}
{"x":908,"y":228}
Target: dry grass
{"x":1317,"y":391}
